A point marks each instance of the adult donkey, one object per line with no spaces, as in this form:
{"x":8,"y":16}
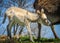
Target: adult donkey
{"x":52,"y":11}
{"x":23,"y":17}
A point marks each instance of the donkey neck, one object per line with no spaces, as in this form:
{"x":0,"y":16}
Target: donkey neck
{"x":32,"y":16}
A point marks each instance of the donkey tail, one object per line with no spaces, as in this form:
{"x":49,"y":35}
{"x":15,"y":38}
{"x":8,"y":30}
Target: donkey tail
{"x":4,"y":18}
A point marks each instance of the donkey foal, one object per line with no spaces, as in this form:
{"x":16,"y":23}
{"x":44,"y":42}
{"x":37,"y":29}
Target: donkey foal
{"x":23,"y":17}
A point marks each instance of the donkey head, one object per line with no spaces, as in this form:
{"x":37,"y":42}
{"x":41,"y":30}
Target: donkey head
{"x":43,"y":17}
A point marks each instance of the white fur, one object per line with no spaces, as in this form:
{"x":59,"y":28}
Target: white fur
{"x":23,"y":17}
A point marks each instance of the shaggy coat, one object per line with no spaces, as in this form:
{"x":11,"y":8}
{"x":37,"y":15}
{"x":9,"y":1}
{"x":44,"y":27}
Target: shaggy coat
{"x":52,"y":9}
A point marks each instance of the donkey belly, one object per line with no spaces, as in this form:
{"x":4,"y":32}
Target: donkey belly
{"x":19,"y":21}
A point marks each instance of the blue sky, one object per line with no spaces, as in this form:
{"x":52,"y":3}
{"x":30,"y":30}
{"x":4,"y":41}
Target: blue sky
{"x":46,"y":30}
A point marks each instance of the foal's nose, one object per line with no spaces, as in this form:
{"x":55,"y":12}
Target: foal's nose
{"x":47,"y":22}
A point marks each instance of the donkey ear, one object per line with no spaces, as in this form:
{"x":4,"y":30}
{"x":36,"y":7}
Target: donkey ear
{"x":42,"y":10}
{"x":38,"y":11}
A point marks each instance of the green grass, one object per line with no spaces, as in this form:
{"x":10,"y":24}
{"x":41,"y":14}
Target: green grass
{"x":26,"y":40}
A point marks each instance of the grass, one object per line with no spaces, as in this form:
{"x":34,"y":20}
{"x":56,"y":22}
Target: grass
{"x":26,"y":40}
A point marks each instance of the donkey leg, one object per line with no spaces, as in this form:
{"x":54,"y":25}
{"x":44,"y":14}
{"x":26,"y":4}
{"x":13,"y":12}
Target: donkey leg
{"x":15,"y":29}
{"x":21,"y":30}
{"x":39,"y":31}
{"x":8,"y":31}
{"x":9,"y":28}
{"x":52,"y":28}
{"x":29,"y":29}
